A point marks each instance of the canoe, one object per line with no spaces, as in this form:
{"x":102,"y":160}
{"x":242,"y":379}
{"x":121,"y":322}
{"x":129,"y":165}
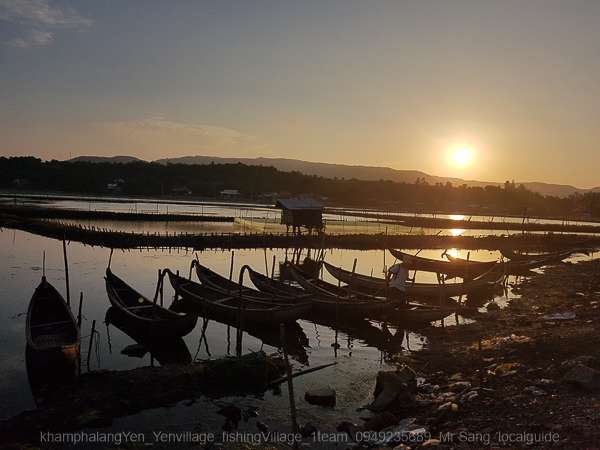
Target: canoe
{"x":53,"y":338}
{"x":378,"y":286}
{"x":214,"y":301}
{"x":327,"y":300}
{"x":514,"y":256}
{"x":142,"y":316}
{"x":470,"y":269}
{"x":219,"y":282}
{"x":279,"y":286}
{"x":521,"y":266}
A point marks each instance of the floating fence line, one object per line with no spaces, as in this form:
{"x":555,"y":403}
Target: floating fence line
{"x":94,"y":235}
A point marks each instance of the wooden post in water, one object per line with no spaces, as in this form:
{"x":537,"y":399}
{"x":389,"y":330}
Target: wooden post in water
{"x":231,"y":267}
{"x":80,"y":308}
{"x":290,"y":383}
{"x":66,"y":270}
{"x":240,"y":315}
{"x":91,"y":342}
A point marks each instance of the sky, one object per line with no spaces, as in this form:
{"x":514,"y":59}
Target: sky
{"x":512,"y":85}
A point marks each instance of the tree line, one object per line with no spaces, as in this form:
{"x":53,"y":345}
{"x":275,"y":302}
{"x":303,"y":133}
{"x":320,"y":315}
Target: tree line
{"x":258,"y":183}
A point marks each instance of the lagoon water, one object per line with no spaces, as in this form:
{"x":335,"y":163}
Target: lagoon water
{"x":359,"y":351}
{"x":22,"y":266}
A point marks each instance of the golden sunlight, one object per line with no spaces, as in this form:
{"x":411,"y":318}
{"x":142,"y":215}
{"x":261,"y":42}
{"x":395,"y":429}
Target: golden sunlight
{"x":460,"y":156}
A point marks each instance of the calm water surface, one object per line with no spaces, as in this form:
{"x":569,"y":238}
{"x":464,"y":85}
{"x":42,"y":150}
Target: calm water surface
{"x":22,"y":264}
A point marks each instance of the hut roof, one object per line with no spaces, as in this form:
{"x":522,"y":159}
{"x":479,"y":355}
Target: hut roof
{"x":296,"y":204}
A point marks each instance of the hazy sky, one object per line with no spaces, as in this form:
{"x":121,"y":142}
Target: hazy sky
{"x":372,"y":82}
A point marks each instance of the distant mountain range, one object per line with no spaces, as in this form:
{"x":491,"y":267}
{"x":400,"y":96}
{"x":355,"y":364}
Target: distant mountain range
{"x":340,"y":171}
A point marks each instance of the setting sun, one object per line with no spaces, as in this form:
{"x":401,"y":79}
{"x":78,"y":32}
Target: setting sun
{"x":461,"y":156}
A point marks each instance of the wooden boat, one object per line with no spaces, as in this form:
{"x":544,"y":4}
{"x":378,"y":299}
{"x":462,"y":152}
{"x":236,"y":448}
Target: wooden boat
{"x":521,"y":266}
{"x":414,"y":314}
{"x":142,"y":316}
{"x":211,"y":300}
{"x":275,"y":286}
{"x":53,"y":338}
{"x":219,"y":282}
{"x":470,"y":269}
{"x":378,"y":286}
{"x":326,"y":298}
{"x":514,"y":256}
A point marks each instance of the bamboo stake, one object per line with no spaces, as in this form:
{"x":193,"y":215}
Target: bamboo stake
{"x":301,"y":372}
{"x":80,"y":308}
{"x":66,"y":270}
{"x":91,"y":342}
{"x":288,"y":370}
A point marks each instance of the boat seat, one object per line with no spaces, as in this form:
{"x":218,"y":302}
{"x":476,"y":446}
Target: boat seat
{"x":53,"y":339}
{"x":51,"y":324}
{"x":140,"y":307}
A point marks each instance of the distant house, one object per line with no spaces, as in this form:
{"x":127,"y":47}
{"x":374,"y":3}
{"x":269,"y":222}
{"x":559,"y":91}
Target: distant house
{"x":229,"y":193}
{"x":301,"y":213}
{"x":180,"y":189}
{"x":116,"y":187}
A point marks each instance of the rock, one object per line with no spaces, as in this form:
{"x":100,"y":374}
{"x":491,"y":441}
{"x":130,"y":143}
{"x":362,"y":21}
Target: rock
{"x":429,"y":388}
{"x":231,"y":413}
{"x":493,"y":306}
{"x":381,"y":421}
{"x":536,"y":391}
{"x":248,"y":413}
{"x":307,"y":430}
{"x":262,"y":426}
{"x":345,"y":426}
{"x":393,"y":388}
{"x":588,"y":361}
{"x":459,"y":386}
{"x":583,"y":376}
{"x":320,"y":397}
{"x":228,"y":426}
{"x":470,"y":396}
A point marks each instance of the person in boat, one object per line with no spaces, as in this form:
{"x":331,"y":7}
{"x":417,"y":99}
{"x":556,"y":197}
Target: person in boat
{"x":397,"y":277}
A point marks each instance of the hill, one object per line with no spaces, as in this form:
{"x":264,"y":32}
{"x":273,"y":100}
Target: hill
{"x":367,"y":173}
{"x":113,"y":159}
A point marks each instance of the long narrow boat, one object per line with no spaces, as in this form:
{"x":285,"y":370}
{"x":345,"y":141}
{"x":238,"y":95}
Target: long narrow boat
{"x":327,"y":300}
{"x":211,"y":300}
{"x":142,"y":316}
{"x":521,"y":266}
{"x":275,"y":286}
{"x":514,"y":256}
{"x":377,"y":286}
{"x":219,"y":282}
{"x":53,"y":338}
{"x":414,"y":313}
{"x":470,"y":269}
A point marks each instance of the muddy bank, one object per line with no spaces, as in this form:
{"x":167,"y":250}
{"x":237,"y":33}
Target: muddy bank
{"x":100,"y":397}
{"x":526,"y":376}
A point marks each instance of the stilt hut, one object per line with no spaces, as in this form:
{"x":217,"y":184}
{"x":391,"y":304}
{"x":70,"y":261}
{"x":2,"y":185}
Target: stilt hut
{"x":301,"y":213}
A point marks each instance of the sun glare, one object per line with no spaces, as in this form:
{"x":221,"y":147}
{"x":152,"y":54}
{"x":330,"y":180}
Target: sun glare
{"x":461,"y":156}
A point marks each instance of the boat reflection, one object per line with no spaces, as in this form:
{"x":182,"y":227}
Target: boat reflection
{"x":166,"y":351}
{"x":268,"y":333}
